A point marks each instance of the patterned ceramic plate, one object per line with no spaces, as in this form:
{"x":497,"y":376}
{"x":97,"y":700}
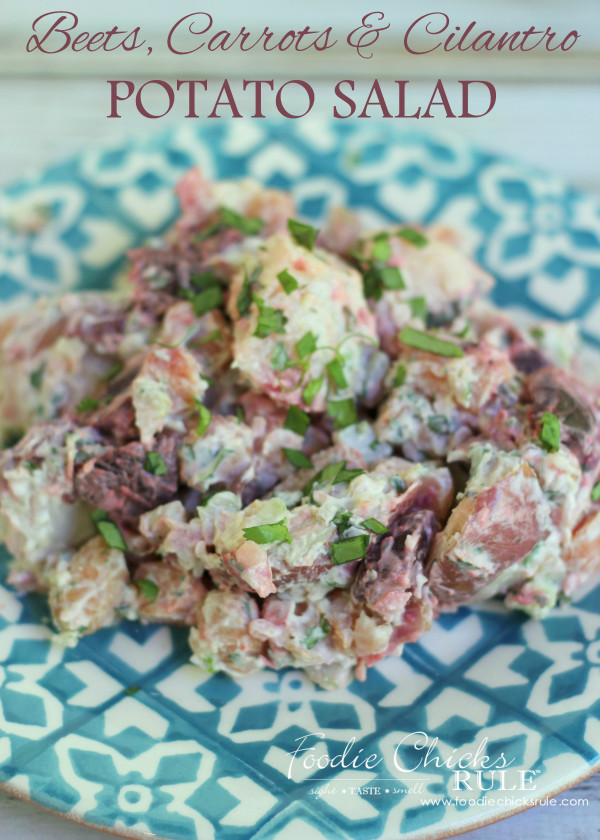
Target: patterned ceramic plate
{"x":121,"y":732}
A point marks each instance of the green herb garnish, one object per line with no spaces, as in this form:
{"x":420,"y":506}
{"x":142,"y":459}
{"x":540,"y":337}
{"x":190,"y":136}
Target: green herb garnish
{"x":204,"y":418}
{"x":335,"y":369}
{"x":248,"y":225}
{"x":296,"y":457}
{"x":439,"y":424}
{"x":107,"y":529}
{"x":311,"y":390}
{"x":37,"y":376}
{"x":296,"y":420}
{"x":375,"y":526}
{"x":207,"y":300}
{"x":215,"y":335}
{"x":418,"y":307}
{"x":317,"y":633}
{"x":245,"y":296}
{"x":342,"y":412}
{"x":288,"y":283}
{"x":399,"y":376}
{"x":349,"y":549}
{"x":279,"y":357}
{"x":87,"y":404}
{"x":306,"y":345}
{"x":114,"y":370}
{"x":413,"y":236}
{"x":550,"y":432}
{"x":148,"y":589}
{"x":381,"y":250}
{"x":429,"y":343}
{"x":270,"y":320}
{"x":595,"y":494}
{"x":154,"y":463}
{"x":263,"y":534}
{"x":304,"y":235}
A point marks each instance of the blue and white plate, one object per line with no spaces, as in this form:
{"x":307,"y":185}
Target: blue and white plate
{"x":122,"y":732}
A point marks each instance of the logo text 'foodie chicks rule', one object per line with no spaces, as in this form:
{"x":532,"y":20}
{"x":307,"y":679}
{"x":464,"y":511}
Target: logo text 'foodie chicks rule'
{"x":197,"y":32}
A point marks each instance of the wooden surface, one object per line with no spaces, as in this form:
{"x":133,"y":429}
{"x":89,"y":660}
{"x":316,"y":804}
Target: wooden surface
{"x":567,"y":820}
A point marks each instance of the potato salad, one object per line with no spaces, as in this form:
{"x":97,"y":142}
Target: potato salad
{"x":301,"y":444}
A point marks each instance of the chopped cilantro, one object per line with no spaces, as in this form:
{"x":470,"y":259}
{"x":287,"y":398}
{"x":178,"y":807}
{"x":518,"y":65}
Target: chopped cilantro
{"x":87,"y":404}
{"x":595,"y":494}
{"x":304,"y":235}
{"x":296,"y":457}
{"x":148,"y":589}
{"x":349,"y":549}
{"x":429,"y":343}
{"x":155,"y":464}
{"x":262,"y":534}
{"x":288,"y":283}
{"x":391,"y":277}
{"x":296,"y":420}
{"x":550,"y":432}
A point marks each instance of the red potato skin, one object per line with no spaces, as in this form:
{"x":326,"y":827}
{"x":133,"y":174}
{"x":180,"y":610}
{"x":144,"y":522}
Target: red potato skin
{"x":499,"y":520}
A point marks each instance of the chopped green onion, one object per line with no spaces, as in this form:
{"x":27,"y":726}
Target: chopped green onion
{"x":248,"y":225}
{"x":270,"y":320}
{"x":343,"y":412}
{"x":399,"y":484}
{"x":413,"y":236}
{"x":201,"y":281}
{"x":317,"y":633}
{"x":114,"y":370}
{"x":279,"y":357}
{"x":375,"y":526}
{"x":345,"y":475}
{"x":418,"y":307}
{"x":311,"y":390}
{"x":399,"y":376}
{"x":36,"y":377}
{"x":245,"y":297}
{"x":296,"y":420}
{"x":381,"y":250}
{"x":595,"y":494}
{"x":429,"y":343}
{"x":391,"y":277}
{"x":263,"y":534}
{"x":239,"y":413}
{"x":148,"y":589}
{"x":296,"y":457}
{"x":335,"y":473}
{"x":288,"y":283}
{"x":306,"y":345}
{"x":304,"y":235}
{"x":439,"y":424}
{"x":335,"y":370}
{"x":87,"y":404}
{"x":204,"y":418}
{"x":550,"y":433}
{"x":155,"y":464}
{"x":349,"y":549}
{"x":342,"y":521}
{"x":207,"y":300}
